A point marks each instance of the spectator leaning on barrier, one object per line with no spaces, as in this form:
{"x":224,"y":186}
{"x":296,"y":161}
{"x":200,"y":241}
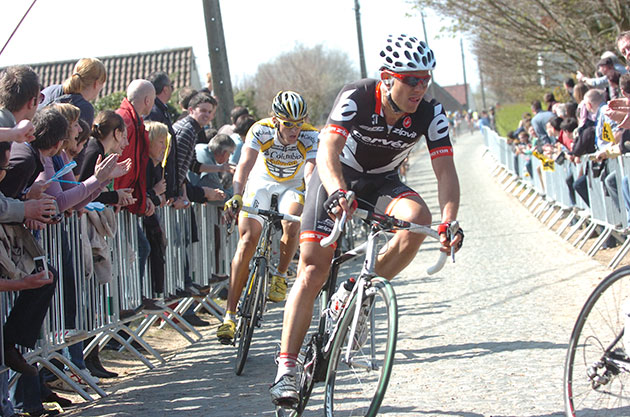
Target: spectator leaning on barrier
{"x":539,"y":122}
{"x":164,"y":89}
{"x":137,"y":104}
{"x":214,"y":155}
{"x":19,"y":95}
{"x":156,"y":189}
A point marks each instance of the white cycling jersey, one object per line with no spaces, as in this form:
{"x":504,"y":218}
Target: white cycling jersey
{"x":277,"y":162}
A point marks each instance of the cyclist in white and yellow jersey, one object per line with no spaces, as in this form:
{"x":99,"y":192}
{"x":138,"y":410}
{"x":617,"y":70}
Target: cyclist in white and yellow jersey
{"x":279,"y":152}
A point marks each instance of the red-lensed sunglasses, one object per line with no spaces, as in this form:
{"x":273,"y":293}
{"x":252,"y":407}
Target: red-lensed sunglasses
{"x":411,"y":80}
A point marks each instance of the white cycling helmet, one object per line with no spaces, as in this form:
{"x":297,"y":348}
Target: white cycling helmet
{"x":289,"y":105}
{"x":406,"y":53}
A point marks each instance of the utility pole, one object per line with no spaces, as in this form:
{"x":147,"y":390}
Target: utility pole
{"x":357,"y":15}
{"x":431,"y":89}
{"x":461,"y":45}
{"x":219,"y":67}
{"x":483,"y":92}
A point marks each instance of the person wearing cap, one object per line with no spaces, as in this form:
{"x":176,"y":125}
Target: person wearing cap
{"x":373,"y":126}
{"x":278,"y":155}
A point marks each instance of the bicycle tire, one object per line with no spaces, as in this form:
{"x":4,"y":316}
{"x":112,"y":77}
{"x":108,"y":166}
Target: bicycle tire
{"x":251,"y":319}
{"x":347,"y":394}
{"x":597,"y":370}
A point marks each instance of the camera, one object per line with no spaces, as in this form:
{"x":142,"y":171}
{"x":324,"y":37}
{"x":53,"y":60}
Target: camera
{"x":41,"y":264}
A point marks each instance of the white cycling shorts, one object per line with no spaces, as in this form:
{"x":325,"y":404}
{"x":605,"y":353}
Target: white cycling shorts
{"x":258,"y":194}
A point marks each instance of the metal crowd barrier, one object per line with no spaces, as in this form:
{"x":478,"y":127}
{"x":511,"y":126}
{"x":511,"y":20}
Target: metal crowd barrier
{"x":98,"y":306}
{"x":547,"y":195}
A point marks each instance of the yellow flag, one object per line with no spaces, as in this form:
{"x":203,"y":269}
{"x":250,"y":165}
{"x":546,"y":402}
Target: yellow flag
{"x":548,"y":164}
{"x":168,"y":148}
{"x":607,"y":134}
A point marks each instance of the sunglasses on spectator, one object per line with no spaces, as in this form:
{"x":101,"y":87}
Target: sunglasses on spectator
{"x":411,"y":80}
{"x":290,"y":125}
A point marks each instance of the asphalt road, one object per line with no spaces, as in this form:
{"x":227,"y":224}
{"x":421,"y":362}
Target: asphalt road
{"x":487,"y":336}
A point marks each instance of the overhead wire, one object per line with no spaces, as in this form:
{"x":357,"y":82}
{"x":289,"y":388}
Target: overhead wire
{"x":18,"y":25}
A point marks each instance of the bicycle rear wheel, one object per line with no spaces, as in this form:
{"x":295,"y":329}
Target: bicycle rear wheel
{"x":355,"y":386}
{"x":250,"y":315}
{"x":596,"y":375}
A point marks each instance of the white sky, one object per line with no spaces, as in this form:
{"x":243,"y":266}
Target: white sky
{"x":255,"y":31}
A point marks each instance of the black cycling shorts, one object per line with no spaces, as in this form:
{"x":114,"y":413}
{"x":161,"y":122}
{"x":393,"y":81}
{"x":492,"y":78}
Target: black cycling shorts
{"x":376,"y":192}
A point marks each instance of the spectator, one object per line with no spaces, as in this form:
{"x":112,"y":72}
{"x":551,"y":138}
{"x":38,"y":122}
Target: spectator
{"x":583,"y":145}
{"x":83,"y":86}
{"x":584,"y":117}
{"x":202,"y":108}
{"x":539,"y":121}
{"x":567,"y":127}
{"x":484,"y":120}
{"x":184,"y":96}
{"x":601,"y":81}
{"x":109,"y":135}
{"x":156,"y":189}
{"x":623,"y":44}
{"x":569,"y":85}
{"x":596,"y":103}
{"x":215,"y":155}
{"x":236,"y":112}
{"x":138,"y":103}
{"x":13,"y":277}
{"x":241,"y":127}
{"x":550,"y":101}
{"x":160,"y":113}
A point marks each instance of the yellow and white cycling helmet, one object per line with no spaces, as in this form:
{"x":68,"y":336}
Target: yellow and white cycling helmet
{"x":289,"y":105}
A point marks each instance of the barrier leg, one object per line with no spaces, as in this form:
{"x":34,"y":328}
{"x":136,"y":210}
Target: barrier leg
{"x":131,"y":349}
{"x":599,"y":242}
{"x":62,"y":375}
{"x":621,"y":253}
{"x":586,"y":234}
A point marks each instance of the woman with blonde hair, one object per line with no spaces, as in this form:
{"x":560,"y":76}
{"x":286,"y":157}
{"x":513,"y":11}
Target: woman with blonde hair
{"x":80,"y":88}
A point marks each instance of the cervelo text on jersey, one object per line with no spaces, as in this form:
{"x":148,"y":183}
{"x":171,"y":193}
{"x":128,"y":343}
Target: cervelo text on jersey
{"x":279,"y":162}
{"x":358,"y":116}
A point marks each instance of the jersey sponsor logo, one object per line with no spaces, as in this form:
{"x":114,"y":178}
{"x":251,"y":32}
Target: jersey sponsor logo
{"x":345,"y":109}
{"x":336,"y":130}
{"x":375,"y":119}
{"x":373,"y":128}
{"x":397,"y":144}
{"x":401,"y":132}
{"x":438,"y":129}
{"x":442,"y":151}
{"x":294,"y":156}
{"x":407,"y":122}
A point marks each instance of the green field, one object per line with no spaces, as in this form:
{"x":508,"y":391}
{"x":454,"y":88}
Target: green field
{"x":508,"y":116}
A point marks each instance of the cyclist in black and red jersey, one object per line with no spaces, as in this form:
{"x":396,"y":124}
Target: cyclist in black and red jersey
{"x":370,"y":131}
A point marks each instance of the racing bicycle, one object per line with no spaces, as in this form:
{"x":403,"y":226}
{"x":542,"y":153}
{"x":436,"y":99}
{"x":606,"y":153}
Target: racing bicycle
{"x":353,"y":355}
{"x":252,"y":303}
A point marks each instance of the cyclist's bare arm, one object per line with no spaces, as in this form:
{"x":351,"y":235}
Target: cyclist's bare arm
{"x":329,"y":167}
{"x":309,"y":167}
{"x":448,"y":195}
{"x":245,"y":165}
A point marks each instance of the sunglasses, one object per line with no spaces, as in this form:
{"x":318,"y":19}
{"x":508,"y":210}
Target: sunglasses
{"x":411,"y":80}
{"x":290,"y":125}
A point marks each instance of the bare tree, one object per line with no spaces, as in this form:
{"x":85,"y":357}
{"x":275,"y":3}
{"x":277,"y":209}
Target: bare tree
{"x":516,"y":41}
{"x":317,"y":73}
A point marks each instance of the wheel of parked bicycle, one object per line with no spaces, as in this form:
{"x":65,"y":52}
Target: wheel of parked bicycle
{"x":252,"y":305}
{"x":357,"y":376}
{"x":597,"y":367}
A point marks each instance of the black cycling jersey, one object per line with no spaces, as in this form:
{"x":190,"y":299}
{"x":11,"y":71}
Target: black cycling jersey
{"x":372,"y":146}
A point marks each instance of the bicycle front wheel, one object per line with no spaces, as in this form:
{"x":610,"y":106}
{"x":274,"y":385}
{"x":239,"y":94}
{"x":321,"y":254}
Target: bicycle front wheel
{"x":356,"y":381}
{"x":250,"y":317}
{"x":596,"y":375}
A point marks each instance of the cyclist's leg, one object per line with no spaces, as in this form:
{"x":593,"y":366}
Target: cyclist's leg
{"x":291,"y":202}
{"x":257,"y":194}
{"x":400,"y":201}
{"x":249,"y":232}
